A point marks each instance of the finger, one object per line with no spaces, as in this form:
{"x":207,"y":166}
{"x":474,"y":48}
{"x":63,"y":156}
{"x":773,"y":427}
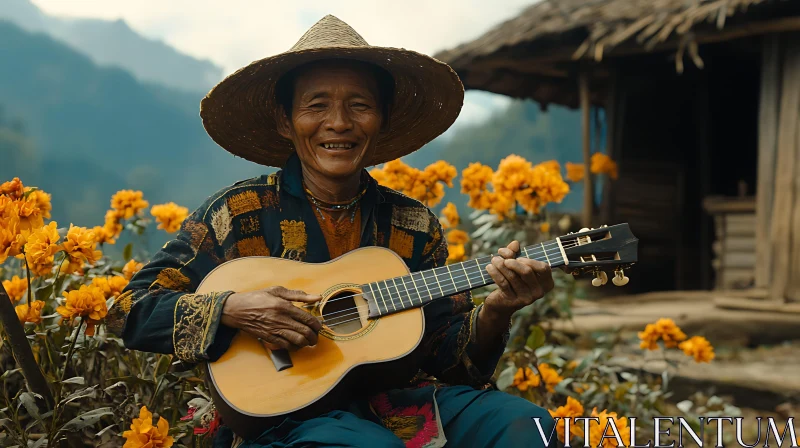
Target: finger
{"x":506,"y":253}
{"x":514,"y":246}
{"x":272,"y":342}
{"x":543,"y":272}
{"x":304,"y":318}
{"x":293,"y":294}
{"x":497,"y":275}
{"x":519,"y":282}
{"x":295,"y":338}
{"x":304,"y":330}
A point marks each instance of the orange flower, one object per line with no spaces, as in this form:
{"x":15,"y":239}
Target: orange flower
{"x":131,"y":268}
{"x":424,"y":186}
{"x":455,"y":253}
{"x":128,"y":203}
{"x":602,"y":164}
{"x":42,"y":245}
{"x":80,"y":246}
{"x":41,"y":199}
{"x":571,"y":410}
{"x":111,"y":286}
{"x":144,"y":435}
{"x":699,"y":348}
{"x":169,"y":216}
{"x":575,"y":171}
{"x":663,"y":329}
{"x":450,"y":214}
{"x":456,"y":236}
{"x":544,"y":227}
{"x":525,"y":379}
{"x":597,"y":431}
{"x":32,"y":314}
{"x":550,"y":376}
{"x":16,"y":288}
{"x":13,"y":188}
{"x":88,"y":302}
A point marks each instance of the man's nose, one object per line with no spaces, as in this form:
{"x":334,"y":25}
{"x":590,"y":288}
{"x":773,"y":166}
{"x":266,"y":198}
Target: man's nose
{"x":339,"y":119}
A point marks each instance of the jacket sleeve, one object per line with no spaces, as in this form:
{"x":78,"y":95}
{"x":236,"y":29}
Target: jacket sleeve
{"x":159,"y":310}
{"x":451,"y":328}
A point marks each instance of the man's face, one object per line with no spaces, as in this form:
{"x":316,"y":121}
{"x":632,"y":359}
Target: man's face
{"x":335,"y":119}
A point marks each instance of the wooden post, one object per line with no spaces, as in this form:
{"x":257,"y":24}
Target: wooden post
{"x":767,"y":147}
{"x":588,"y":192}
{"x":785,"y":173}
{"x":611,"y":107}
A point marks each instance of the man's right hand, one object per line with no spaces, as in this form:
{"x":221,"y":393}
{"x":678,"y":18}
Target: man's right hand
{"x":268,"y":314}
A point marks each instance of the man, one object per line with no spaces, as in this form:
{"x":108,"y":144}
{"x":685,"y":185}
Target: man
{"x":322,"y":112}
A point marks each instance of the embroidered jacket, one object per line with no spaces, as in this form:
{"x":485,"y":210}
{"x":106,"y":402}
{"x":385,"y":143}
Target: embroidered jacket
{"x":270,"y":215}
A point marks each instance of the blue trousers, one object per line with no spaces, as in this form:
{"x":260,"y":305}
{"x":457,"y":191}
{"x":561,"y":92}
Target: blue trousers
{"x":469,"y":417}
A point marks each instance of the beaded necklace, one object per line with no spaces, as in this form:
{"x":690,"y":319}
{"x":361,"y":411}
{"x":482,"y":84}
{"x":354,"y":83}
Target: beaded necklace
{"x":332,"y":207}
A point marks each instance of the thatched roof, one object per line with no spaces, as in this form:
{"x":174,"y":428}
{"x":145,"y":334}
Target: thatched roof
{"x":548,"y":40}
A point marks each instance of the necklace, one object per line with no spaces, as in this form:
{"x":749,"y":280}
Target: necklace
{"x":320,"y":205}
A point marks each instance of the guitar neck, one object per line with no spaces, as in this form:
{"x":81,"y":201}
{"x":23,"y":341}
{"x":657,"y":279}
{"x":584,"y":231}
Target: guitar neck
{"x":418,"y":288}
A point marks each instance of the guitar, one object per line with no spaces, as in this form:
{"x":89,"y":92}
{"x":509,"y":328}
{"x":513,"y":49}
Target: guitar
{"x":372,"y":322}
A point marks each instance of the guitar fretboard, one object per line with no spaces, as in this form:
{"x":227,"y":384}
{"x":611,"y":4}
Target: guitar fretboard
{"x":418,"y":288}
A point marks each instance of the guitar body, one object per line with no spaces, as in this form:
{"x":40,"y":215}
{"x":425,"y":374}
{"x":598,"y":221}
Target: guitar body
{"x":354,"y":355}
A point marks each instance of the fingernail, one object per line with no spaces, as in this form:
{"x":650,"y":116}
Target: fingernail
{"x":496,"y":258}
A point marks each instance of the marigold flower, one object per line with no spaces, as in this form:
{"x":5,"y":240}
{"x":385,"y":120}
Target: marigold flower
{"x":450,"y":214}
{"x":32,"y":314}
{"x":80,"y":246}
{"x":550,"y":376}
{"x":699,"y":348}
{"x":88,"y":302}
{"x":602,"y":164}
{"x":25,"y":213}
{"x":422,"y":185}
{"x":131,"y":268}
{"x":544,"y":227}
{"x":525,"y":379}
{"x":456,"y":236}
{"x":664,"y":329}
{"x":455,"y":253}
{"x":552,"y":165}
{"x":111,"y":286}
{"x":13,"y":188}
{"x":144,"y":435}
{"x":597,"y":431}
{"x":42,"y":245}
{"x":16,"y":288}
{"x":128,"y":203}
{"x":169,"y":216}
{"x":575,"y":171}
{"x":571,"y":410}
{"x":42,"y":200}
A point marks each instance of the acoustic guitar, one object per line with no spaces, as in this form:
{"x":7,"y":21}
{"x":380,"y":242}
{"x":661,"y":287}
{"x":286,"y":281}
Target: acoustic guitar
{"x":372,"y":316}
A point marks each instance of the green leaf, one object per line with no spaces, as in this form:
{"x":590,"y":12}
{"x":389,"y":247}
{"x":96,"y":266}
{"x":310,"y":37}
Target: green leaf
{"x":75,"y":380}
{"x":86,"y":419}
{"x":42,"y":442}
{"x":506,"y":377}
{"x":127,"y":252}
{"x":104,"y":430}
{"x":83,"y":393}
{"x":27,"y":399}
{"x":536,"y":338}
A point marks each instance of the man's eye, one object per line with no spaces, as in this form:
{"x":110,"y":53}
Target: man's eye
{"x":360,"y":106}
{"x":317,"y":106}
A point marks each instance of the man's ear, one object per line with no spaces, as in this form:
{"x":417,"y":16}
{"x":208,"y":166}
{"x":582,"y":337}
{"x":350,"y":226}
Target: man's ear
{"x":283,"y":124}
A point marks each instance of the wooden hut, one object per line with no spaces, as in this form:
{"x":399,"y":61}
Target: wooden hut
{"x":702,"y":107}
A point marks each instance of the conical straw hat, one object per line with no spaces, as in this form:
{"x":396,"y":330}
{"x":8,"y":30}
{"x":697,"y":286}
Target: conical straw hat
{"x":240,"y":112}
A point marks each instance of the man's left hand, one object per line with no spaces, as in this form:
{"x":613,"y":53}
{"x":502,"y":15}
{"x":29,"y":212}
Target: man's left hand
{"x":520,"y":281}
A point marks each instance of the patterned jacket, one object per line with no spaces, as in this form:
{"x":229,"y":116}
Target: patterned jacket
{"x":271,"y":216}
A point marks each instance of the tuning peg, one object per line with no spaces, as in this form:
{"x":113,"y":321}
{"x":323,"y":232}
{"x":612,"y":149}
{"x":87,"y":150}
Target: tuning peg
{"x":619,"y":278}
{"x":601,"y":279}
{"x":585,"y":229}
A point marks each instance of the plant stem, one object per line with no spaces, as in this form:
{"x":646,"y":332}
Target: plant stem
{"x":55,"y":280}
{"x":21,"y":350}
{"x":71,"y":350}
{"x":28,"y":273}
{"x":57,"y":410}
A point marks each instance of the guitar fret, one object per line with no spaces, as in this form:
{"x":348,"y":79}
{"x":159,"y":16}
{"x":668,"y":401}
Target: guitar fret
{"x":372,"y":292}
{"x":480,"y":269}
{"x":545,"y":255}
{"x":410,"y":291}
{"x":430,"y":295}
{"x":399,"y":295}
{"x":434,"y":279}
{"x":450,"y":273}
{"x":466,"y":274}
{"x":391,"y":299}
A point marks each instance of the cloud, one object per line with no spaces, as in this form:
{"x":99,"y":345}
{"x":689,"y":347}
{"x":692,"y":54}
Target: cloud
{"x":233,"y":33}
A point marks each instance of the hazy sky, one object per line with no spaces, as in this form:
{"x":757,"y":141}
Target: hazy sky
{"x":233,"y":33}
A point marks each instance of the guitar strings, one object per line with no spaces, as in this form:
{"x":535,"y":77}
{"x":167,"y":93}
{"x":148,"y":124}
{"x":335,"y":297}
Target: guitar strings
{"x":359,"y":307}
{"x":546,"y":252}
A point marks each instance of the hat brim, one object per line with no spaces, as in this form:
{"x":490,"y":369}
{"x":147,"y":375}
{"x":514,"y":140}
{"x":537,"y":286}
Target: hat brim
{"x":239,"y":113}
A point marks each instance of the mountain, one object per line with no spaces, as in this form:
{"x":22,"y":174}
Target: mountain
{"x":87,"y":131}
{"x":114,"y":43}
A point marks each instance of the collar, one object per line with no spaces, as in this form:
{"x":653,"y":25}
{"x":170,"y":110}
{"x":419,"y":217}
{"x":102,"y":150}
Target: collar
{"x":291,"y":180}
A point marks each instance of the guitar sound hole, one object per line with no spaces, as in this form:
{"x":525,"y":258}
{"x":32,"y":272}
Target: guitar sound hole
{"x":341,"y":313}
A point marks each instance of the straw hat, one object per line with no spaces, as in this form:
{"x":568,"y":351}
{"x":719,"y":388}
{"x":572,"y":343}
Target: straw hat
{"x":240,"y":112}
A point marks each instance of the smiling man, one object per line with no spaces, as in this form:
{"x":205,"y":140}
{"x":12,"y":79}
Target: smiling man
{"x":323,"y":112}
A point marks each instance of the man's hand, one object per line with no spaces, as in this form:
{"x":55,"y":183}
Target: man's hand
{"x":269,"y":315}
{"x":520,"y":281}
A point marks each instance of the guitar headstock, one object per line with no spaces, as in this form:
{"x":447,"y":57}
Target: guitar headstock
{"x":608,"y":248}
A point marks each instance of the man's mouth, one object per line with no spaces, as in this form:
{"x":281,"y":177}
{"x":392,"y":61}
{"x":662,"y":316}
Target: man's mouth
{"x":338,"y":145}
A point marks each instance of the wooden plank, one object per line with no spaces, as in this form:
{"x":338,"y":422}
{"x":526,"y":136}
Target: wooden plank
{"x":743,"y":219}
{"x":588,"y":191}
{"x":793,"y":282}
{"x":739,"y":229}
{"x":745,"y":260}
{"x":767,"y":147}
{"x":737,"y":303}
{"x":611,"y":150}
{"x":785,"y":170}
{"x":735,"y":244}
